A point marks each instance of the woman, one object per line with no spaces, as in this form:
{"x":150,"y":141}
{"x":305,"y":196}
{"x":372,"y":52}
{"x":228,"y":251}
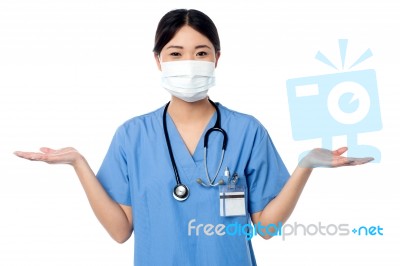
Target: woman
{"x":158,"y":179}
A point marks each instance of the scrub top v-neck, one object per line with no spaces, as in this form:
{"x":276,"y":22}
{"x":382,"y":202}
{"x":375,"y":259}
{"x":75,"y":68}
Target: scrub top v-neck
{"x":188,"y":162}
{"x":137,"y":172}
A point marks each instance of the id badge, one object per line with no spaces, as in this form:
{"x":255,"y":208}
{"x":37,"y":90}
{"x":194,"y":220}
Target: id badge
{"x":232,"y":200}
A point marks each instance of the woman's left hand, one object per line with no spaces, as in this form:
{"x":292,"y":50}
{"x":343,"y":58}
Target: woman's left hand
{"x":326,"y":158}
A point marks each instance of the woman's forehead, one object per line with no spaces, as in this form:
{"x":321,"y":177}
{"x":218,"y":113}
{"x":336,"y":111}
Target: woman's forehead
{"x":187,"y":37}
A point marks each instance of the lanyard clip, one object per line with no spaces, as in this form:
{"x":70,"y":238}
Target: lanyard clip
{"x":232,"y":180}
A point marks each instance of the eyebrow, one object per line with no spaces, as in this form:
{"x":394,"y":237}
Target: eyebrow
{"x":181,"y":47}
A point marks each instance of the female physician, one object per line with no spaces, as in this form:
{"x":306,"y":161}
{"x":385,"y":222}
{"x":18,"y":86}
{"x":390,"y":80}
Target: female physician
{"x":180,"y":175}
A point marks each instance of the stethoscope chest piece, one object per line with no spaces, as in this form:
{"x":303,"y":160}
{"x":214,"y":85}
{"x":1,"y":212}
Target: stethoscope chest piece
{"x":180,"y":192}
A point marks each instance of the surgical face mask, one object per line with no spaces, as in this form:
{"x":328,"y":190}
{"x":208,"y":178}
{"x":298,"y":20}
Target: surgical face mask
{"x":188,"y":80}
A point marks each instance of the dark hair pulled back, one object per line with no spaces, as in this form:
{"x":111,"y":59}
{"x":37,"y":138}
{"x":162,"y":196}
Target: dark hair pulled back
{"x":174,"y":20}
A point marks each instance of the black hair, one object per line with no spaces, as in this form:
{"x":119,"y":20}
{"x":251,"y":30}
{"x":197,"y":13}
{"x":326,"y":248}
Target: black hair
{"x":174,"y":20}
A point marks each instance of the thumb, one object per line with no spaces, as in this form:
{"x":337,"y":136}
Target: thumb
{"x":340,"y":151}
{"x":46,"y":150}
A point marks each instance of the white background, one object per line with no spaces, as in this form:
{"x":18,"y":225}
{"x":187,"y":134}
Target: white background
{"x":72,"y":71}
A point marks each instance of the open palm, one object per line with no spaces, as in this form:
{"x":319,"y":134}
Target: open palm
{"x":326,"y":158}
{"x":62,"y":156}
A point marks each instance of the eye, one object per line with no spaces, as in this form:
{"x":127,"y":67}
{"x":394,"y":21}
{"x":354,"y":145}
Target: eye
{"x":202,"y":53}
{"x":175,"y":54}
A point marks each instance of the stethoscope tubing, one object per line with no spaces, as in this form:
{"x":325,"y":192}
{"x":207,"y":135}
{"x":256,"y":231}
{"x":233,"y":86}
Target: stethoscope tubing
{"x":177,"y":191}
{"x":171,"y":155}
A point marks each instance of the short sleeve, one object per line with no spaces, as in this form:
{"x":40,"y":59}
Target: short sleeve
{"x":266,"y":173}
{"x":113,"y":173}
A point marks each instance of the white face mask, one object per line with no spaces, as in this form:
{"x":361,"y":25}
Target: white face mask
{"x":188,"y":80}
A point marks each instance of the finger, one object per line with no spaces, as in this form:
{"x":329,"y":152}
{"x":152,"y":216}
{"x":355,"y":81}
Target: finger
{"x":358,"y":161}
{"x":50,"y":151}
{"x":340,"y":151}
{"x":33,"y":156}
{"x":23,"y":154}
{"x":341,"y":161}
{"x":368,"y":159}
{"x":63,"y":150}
{"x":17,"y":153}
{"x":350,"y":161}
{"x":47,"y":150}
{"x":53,"y":151}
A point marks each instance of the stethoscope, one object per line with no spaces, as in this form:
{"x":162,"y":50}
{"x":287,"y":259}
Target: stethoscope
{"x":181,"y":191}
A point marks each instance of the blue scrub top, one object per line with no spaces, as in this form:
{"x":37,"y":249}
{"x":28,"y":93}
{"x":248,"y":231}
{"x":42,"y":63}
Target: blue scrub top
{"x":137,"y":171}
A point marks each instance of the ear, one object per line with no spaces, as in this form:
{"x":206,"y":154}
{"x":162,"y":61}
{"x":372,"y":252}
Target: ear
{"x":157,"y":58}
{"x":217,"y":55}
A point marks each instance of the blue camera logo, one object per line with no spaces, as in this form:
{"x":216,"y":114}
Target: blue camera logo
{"x":344,"y":103}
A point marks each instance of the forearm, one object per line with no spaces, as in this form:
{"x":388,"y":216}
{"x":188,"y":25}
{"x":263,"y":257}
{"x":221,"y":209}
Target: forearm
{"x":108,"y":212}
{"x":281,"y":207}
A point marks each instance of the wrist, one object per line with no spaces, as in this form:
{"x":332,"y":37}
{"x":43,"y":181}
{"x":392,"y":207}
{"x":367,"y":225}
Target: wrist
{"x":78,"y":161}
{"x":302,"y":173}
{"x":306,"y":162}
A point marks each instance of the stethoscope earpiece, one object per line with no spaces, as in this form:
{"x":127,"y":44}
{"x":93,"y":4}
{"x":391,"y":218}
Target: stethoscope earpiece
{"x":201,"y":182}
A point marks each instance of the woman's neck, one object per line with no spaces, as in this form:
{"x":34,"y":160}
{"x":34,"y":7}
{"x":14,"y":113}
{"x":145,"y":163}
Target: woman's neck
{"x":184,"y":112}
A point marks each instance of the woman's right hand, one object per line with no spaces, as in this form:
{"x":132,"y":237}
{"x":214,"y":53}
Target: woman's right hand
{"x":116,"y":218}
{"x":62,"y":156}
